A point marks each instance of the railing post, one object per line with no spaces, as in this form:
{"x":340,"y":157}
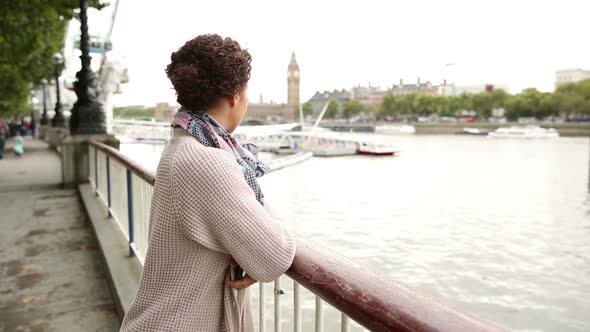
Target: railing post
{"x":296,"y":307}
{"x":345,"y":323}
{"x":262,"y":307}
{"x":278,"y":293}
{"x":319,"y":314}
{"x":96,"y":171}
{"x":109,"y":185}
{"x":88,"y":161}
{"x":130,"y":210}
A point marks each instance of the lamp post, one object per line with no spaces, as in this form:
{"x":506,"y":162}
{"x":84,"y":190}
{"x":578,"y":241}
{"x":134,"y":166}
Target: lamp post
{"x":58,"y":120}
{"x":44,"y":117}
{"x":87,"y":115}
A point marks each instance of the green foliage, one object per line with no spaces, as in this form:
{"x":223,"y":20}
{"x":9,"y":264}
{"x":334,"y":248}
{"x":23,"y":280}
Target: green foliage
{"x":31,"y":32}
{"x":139,"y":113}
{"x":572,"y":99}
{"x":352,"y":108}
{"x":307,"y":109}
{"x":332,"y":110}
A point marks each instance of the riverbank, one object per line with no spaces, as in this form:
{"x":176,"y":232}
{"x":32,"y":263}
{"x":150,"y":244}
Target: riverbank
{"x":564,"y":129}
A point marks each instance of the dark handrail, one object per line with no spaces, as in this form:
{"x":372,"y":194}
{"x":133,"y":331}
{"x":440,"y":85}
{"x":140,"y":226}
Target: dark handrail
{"x":375,"y":302}
{"x":134,"y":166}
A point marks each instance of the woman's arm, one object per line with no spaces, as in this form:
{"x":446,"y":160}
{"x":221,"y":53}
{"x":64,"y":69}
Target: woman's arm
{"x":214,"y":195}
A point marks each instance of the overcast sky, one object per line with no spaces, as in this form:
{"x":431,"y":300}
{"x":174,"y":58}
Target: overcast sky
{"x":340,"y":44}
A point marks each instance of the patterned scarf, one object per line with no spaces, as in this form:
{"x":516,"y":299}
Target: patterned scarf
{"x":209,"y":133}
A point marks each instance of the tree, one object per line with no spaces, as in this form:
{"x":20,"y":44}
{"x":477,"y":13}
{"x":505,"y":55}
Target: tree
{"x":353,"y":107}
{"x":424,"y":104}
{"x":454,"y":105}
{"x":31,"y":32}
{"x":332,"y":110}
{"x":574,"y":98}
{"x":389,"y":106}
{"x":572,"y":104}
{"x":571,"y":99}
{"x":525,"y":104}
{"x":441,"y":105}
{"x":548,"y":105}
{"x":482,"y":104}
{"x":307,"y":109}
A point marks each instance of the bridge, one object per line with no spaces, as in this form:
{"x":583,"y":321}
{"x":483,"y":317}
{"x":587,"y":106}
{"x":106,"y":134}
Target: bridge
{"x":62,"y":246}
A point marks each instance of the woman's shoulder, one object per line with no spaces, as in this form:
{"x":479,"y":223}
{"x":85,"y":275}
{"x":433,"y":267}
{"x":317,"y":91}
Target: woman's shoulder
{"x":191,"y":153}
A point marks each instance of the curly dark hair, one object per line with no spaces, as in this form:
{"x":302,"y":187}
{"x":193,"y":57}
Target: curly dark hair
{"x":208,"y":68}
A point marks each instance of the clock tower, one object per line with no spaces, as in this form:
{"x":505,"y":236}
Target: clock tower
{"x":293,"y":82}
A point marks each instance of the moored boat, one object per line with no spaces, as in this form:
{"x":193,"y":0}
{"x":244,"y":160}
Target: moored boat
{"x":524,"y":132}
{"x":395,"y":129}
{"x":376,"y":149}
{"x":474,"y":131}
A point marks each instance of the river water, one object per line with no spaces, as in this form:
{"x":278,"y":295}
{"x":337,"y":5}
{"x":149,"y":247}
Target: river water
{"x":498,"y":228}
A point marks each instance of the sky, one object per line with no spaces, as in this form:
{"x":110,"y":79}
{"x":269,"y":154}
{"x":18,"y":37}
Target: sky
{"x":340,"y":44}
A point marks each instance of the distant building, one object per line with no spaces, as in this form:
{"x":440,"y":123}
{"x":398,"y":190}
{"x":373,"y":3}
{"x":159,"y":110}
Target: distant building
{"x":570,"y":76}
{"x":271,"y":111}
{"x":275,"y":111}
{"x":293,"y":82}
{"x":370,"y":96}
{"x":363,"y":92}
{"x":456,"y":90}
{"x":319,"y":99}
{"x":374,"y":99}
{"x":408,"y":89}
{"x":164,"y":111}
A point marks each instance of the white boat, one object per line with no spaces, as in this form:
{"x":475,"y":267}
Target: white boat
{"x":524,"y":132}
{"x":395,"y":129}
{"x":330,"y":147}
{"x":376,"y":149}
{"x":474,"y":131}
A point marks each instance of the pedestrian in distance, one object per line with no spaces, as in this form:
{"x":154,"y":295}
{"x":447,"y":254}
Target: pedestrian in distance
{"x":19,"y":148}
{"x":3,"y":134}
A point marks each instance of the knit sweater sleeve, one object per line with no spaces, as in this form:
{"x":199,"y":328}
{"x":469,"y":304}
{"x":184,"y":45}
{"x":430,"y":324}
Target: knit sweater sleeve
{"x":218,"y":209}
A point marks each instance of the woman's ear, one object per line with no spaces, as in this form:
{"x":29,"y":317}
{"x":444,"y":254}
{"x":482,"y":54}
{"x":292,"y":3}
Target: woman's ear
{"x":233,"y":100}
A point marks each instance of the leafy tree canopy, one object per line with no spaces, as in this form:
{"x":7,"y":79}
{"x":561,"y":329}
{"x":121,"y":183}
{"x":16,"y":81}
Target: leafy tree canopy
{"x":31,"y":32}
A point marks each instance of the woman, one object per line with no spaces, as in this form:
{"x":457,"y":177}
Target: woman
{"x":207,"y":209}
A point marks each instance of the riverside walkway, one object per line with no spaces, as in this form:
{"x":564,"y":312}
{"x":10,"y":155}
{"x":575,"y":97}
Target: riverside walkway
{"x":52,"y":277}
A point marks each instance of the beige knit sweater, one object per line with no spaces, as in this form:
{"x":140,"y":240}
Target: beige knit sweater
{"x":203,"y":213}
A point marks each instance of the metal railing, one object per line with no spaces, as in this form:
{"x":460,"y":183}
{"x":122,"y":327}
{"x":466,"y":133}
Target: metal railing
{"x":318,"y":275}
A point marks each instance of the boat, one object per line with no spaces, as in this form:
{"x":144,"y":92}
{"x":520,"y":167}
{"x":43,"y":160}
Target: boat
{"x":395,"y":129}
{"x":524,"y":132}
{"x":328,"y":146}
{"x":376,"y":149}
{"x":474,"y":131}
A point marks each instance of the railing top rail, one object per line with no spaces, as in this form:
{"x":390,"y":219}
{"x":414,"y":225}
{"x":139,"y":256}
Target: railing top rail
{"x":375,"y":302}
{"x":134,"y":166}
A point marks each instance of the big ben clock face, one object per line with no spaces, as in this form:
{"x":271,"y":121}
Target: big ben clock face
{"x":296,"y":74}
{"x":290,"y":74}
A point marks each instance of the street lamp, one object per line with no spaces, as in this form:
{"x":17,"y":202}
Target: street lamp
{"x":87,"y":115}
{"x":44,"y":117}
{"x":58,"y":120}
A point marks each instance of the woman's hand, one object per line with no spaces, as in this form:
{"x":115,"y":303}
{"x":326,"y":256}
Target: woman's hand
{"x":246,"y":282}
